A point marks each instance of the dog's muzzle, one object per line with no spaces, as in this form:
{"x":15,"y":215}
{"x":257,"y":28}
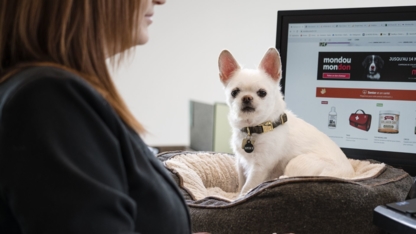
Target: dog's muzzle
{"x":248,"y":108}
{"x":246,"y":104}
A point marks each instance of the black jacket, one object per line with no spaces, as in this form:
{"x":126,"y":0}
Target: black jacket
{"x":68,"y":163}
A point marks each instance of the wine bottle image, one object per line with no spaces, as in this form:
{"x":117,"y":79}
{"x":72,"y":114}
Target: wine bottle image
{"x":332,"y":118}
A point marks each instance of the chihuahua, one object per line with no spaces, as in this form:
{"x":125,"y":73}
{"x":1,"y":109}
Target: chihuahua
{"x":269,"y":141}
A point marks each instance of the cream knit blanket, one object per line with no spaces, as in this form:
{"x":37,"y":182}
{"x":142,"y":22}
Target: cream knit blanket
{"x":204,"y":174}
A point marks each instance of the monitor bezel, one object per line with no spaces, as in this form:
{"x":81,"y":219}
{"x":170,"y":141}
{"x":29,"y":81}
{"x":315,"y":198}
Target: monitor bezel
{"x":406,"y":161}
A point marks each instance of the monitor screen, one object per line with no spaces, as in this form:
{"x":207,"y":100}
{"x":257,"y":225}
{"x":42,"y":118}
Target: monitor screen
{"x":352,"y":74}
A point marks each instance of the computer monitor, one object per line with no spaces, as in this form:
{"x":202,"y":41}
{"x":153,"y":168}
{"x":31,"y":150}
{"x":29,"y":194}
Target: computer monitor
{"x":352,"y":74}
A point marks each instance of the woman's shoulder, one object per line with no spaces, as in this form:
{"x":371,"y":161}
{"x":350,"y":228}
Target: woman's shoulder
{"x":35,"y":74}
{"x":44,"y":80}
{"x":43,"y":71}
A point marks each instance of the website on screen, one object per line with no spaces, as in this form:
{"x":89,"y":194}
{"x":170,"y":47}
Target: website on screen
{"x":355,"y":81}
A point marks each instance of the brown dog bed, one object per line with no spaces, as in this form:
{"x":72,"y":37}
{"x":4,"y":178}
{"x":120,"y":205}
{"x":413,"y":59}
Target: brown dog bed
{"x":208,"y":181}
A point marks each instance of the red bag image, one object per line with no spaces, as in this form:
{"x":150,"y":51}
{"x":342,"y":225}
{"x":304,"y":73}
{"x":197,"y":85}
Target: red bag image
{"x":360,"y":121}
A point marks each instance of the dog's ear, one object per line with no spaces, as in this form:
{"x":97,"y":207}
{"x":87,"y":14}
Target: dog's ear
{"x":271,"y":64}
{"x":227,"y":66}
{"x":381,"y":61}
{"x":366,"y":61}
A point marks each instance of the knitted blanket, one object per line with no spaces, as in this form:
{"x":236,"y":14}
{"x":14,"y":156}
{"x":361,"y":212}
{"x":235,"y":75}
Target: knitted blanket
{"x":214,"y":175}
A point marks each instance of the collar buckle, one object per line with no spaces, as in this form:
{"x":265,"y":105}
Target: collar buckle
{"x":267,"y":126}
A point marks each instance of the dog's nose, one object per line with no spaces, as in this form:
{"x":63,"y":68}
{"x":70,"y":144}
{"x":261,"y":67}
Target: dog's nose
{"x":247,"y":99}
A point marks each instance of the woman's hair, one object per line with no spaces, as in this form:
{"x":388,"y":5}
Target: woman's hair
{"x":76,"y":35}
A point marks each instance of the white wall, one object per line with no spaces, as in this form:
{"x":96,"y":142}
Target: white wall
{"x":180,"y":61}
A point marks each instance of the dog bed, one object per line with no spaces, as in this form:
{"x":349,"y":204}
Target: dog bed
{"x":209,"y":183}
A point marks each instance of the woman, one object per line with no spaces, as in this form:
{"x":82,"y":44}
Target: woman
{"x":71,"y":159}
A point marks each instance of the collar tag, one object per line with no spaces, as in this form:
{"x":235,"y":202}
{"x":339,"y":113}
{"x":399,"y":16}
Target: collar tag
{"x":248,"y":145}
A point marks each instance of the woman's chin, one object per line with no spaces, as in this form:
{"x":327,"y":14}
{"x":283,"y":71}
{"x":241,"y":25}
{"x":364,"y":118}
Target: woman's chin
{"x":143,"y":38}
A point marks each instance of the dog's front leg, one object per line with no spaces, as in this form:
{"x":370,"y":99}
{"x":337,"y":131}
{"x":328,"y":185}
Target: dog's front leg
{"x":241,"y":175}
{"x":255,"y":176}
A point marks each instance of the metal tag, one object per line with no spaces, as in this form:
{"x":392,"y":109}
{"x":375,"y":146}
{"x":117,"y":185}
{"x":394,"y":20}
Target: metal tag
{"x":245,"y":140}
{"x":248,"y":146}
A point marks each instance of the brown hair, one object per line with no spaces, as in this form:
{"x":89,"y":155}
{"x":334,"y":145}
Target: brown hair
{"x":76,"y":35}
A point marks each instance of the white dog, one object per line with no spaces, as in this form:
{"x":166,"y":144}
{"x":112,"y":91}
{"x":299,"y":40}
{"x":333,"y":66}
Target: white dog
{"x":268,"y":140}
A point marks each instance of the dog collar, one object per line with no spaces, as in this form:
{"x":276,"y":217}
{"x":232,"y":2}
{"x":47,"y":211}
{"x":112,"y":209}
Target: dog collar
{"x":266,"y":126}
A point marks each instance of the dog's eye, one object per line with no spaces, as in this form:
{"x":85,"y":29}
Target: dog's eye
{"x":235,"y":92}
{"x":261,"y":93}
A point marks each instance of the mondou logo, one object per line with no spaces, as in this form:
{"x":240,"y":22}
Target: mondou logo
{"x":337,"y":67}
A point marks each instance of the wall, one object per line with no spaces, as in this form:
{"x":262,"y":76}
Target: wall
{"x":180,"y":61}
